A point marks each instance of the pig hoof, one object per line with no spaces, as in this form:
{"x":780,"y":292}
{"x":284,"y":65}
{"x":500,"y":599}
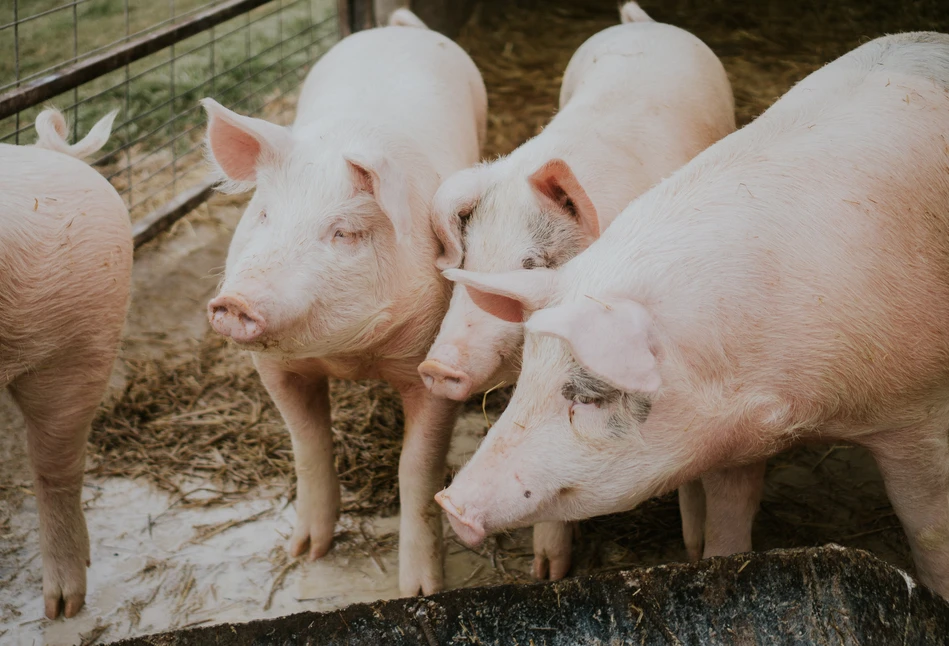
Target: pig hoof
{"x":424,"y":587}
{"x":64,"y":599}
{"x":314,"y":548}
{"x":551,"y":568}
{"x":64,"y":586}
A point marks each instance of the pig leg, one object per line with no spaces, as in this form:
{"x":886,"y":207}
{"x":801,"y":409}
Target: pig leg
{"x":732,"y":497}
{"x":303,"y":401}
{"x":429,"y":421}
{"x":58,"y":404}
{"x":692,"y":510}
{"x":553,"y":544}
{"x":915,"y":468}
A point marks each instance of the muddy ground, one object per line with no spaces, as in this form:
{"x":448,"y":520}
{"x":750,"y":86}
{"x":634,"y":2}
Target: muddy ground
{"x":179,"y":545}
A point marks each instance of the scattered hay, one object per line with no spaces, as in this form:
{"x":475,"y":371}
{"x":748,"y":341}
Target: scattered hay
{"x":206,"y":416}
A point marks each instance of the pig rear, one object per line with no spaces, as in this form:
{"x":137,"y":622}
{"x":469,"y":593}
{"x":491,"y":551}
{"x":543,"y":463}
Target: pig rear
{"x":65,"y":269}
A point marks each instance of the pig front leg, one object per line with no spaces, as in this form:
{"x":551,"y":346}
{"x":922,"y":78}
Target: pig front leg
{"x":732,"y":498}
{"x":915,"y":468}
{"x":429,"y":421}
{"x":692,"y":511}
{"x":303,"y":401}
{"x":58,"y":404}
{"x":553,"y":549}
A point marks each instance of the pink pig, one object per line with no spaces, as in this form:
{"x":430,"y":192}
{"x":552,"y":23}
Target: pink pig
{"x":789,"y":284}
{"x":65,"y":269}
{"x":638,"y":101}
{"x":331,"y":271}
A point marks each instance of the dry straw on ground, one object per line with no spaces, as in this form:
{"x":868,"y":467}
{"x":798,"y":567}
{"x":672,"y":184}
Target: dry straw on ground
{"x":205,"y":415}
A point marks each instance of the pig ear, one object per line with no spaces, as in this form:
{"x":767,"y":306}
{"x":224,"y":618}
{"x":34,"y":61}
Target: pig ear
{"x":238,"y":144}
{"x":388,"y":187}
{"x":555,"y":182}
{"x":454,"y":201}
{"x":611,"y":339}
{"x":507,"y":294}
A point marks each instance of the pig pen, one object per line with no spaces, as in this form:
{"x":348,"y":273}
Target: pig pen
{"x":188,"y":494}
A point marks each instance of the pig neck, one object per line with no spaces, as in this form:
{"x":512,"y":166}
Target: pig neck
{"x":697,"y":438}
{"x":393,"y":346}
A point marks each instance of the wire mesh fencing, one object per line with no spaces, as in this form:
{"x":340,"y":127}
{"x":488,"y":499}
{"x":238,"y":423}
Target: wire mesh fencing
{"x":153,"y":60}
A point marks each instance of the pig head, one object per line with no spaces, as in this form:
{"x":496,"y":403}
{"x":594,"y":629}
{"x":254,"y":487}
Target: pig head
{"x":578,"y":418}
{"x":329,"y":240}
{"x":497,"y":218}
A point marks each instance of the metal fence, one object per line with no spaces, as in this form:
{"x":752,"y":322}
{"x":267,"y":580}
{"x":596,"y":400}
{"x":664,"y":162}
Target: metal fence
{"x":153,"y":60}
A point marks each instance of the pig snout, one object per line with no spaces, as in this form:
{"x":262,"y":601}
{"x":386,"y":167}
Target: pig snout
{"x":231,"y":316}
{"x":466,"y":522}
{"x":443,"y":381}
{"x":441,"y":377}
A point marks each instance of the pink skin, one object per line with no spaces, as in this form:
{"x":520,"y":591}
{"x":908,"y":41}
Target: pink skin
{"x":331,"y":271}
{"x":622,"y":126}
{"x":710,"y":327}
{"x":68,"y":243}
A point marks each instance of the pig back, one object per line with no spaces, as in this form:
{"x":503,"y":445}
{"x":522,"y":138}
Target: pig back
{"x":65,"y":258}
{"x":412,"y":81}
{"x":656,"y":62}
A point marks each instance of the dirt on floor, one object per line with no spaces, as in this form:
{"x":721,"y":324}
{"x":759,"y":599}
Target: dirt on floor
{"x":189,"y":494}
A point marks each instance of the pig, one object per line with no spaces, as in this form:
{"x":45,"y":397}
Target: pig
{"x":791,"y":283}
{"x":331,"y":270}
{"x":65,"y":270}
{"x":638,"y":101}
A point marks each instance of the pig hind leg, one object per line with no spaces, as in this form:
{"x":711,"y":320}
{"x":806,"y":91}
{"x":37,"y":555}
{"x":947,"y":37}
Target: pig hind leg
{"x":732,"y":498}
{"x":58,"y":403}
{"x":915,"y":467}
{"x":553,"y":545}
{"x":429,"y":421}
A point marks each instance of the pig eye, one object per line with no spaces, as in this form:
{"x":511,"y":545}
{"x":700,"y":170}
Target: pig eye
{"x":532,"y":263}
{"x":582,"y":399}
{"x":262,"y":216}
{"x":346,"y":237}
